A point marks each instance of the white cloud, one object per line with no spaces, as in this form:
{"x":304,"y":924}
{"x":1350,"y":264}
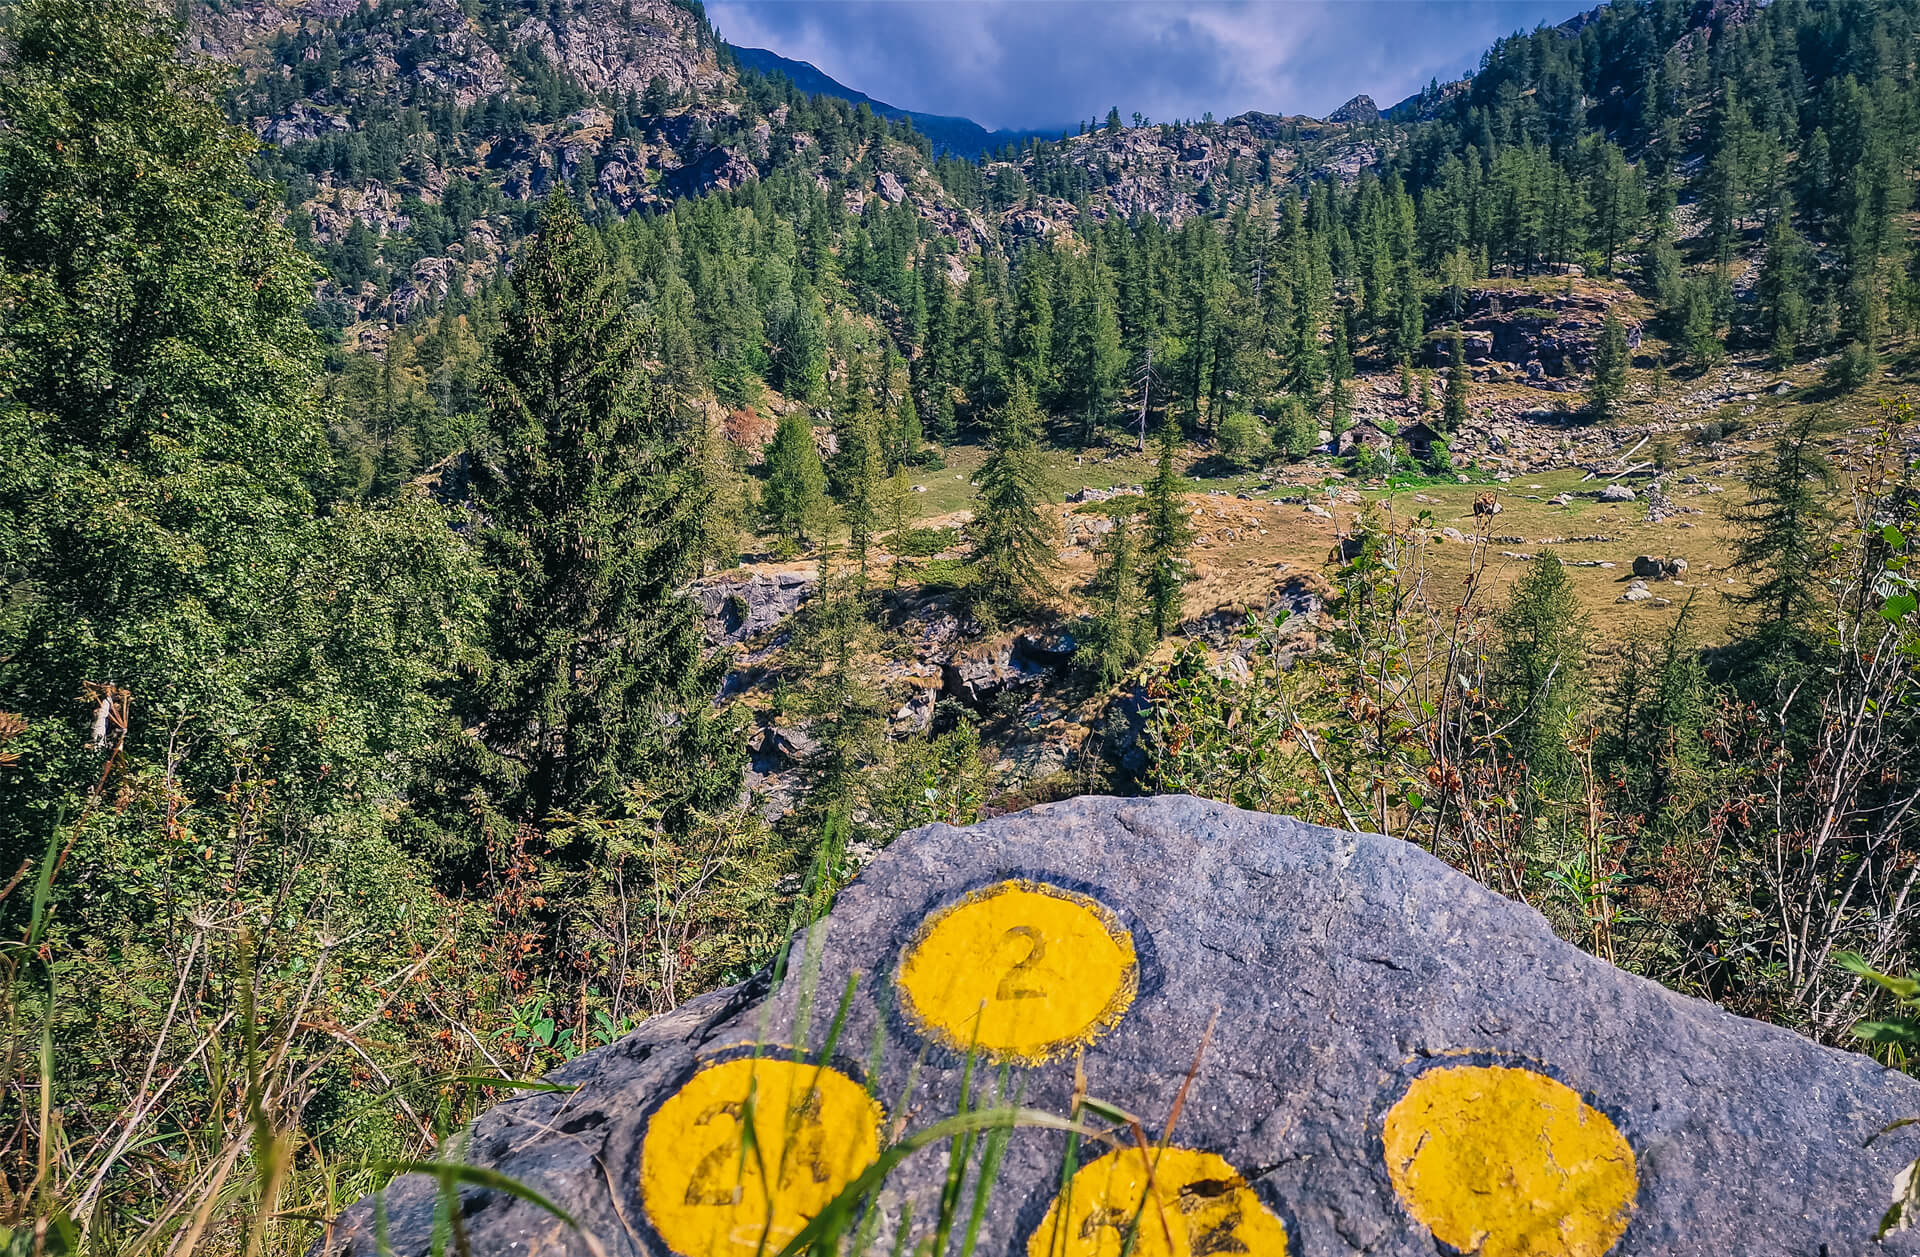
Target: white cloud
{"x":1023,"y":63}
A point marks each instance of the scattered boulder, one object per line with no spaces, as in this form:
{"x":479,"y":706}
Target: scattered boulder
{"x":1616,"y":493}
{"x":1400,"y":1061}
{"x":793,"y":745}
{"x":1637,"y":591}
{"x":738,"y":610}
{"x":1654,"y":567}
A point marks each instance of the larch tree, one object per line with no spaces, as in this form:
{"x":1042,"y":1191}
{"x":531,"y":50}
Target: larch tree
{"x":1539,"y":667}
{"x":1453,"y":411}
{"x":1607,"y":395}
{"x":1116,"y":632}
{"x":1169,"y":535}
{"x":1784,"y":526}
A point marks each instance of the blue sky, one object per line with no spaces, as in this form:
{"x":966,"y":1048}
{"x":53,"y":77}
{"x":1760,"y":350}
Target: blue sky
{"x":1031,"y":63}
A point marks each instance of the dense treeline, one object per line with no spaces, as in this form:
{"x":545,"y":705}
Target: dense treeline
{"x":1751,"y":178}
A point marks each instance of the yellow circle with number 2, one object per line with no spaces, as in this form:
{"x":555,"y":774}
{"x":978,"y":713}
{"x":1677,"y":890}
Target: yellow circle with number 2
{"x":1507,"y":1162}
{"x":1020,"y":969}
{"x":1200,"y":1207}
{"x":711,"y":1192}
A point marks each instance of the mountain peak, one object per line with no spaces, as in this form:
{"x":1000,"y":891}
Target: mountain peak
{"x":1360,"y":109}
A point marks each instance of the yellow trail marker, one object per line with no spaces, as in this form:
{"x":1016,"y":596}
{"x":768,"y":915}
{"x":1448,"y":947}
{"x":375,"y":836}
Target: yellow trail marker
{"x":1022,"y":969}
{"x":1505,"y":1162}
{"x":814,"y":1131}
{"x":1201,"y":1207}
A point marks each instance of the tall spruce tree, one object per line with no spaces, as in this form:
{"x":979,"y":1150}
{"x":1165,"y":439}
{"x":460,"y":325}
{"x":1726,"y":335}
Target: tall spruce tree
{"x":593,"y":500}
{"x":1783,"y":525}
{"x":1782,"y":288}
{"x":1453,"y":411}
{"x":795,"y":492}
{"x":1013,"y":557}
{"x":1169,"y":536}
{"x":1607,"y":395}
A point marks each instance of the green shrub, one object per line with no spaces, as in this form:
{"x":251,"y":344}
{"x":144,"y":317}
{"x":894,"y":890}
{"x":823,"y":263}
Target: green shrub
{"x":946,"y":573}
{"x":923,"y":543}
{"x":1243,"y":439}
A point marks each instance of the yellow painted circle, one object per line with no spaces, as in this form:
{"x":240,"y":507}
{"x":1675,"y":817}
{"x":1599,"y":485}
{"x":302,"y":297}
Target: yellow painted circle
{"x":712,"y":1193}
{"x":1021,"y":969}
{"x":1200,"y":1206}
{"x":1505,"y":1162}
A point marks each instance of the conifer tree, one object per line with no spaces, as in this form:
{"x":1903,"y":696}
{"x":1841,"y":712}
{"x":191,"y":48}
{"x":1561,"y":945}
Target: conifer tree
{"x":1783,"y":540}
{"x":791,"y":502}
{"x":1607,"y":396}
{"x":1782,"y":288}
{"x":1539,"y":667}
{"x":593,"y":502}
{"x":1117,"y":631}
{"x":1169,"y":534}
{"x":862,"y":477}
{"x":830,"y":666}
{"x":1012,"y":557}
{"x":1453,"y":413}
{"x":1294,"y":429}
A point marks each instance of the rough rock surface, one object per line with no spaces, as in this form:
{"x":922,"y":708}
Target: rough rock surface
{"x":737,"y":610}
{"x":1343,"y":968}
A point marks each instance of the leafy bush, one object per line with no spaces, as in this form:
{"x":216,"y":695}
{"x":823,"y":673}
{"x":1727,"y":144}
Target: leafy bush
{"x":923,"y":543}
{"x":1295,"y":431}
{"x":1243,"y":439}
{"x":946,"y":573}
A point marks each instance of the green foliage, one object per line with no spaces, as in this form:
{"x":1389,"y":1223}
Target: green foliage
{"x":1117,"y":631}
{"x":1607,"y":395}
{"x":1454,"y":412}
{"x":923,"y":543}
{"x":1244,"y":441}
{"x":1169,"y":535}
{"x":1012,"y":541}
{"x":162,"y":546}
{"x":593,"y":501}
{"x":829,"y":665}
{"x":1294,"y":431}
{"x":1782,"y":543}
{"x":794,"y":496}
{"x":1539,"y":668}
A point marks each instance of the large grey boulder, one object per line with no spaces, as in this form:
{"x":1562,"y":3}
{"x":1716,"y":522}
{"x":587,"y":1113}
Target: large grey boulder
{"x":1397,"y":1054}
{"x":739,"y":608}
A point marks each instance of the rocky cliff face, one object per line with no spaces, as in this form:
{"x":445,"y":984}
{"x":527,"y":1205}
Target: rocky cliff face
{"x":383,"y":113}
{"x":1344,"y":1046}
{"x":444,"y":121}
{"x":1174,"y":172}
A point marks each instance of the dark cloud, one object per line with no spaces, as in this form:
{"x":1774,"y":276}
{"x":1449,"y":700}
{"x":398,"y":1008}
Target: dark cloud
{"x":1030,"y":63}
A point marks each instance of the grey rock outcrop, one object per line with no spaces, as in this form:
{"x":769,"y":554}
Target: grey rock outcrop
{"x":1656,"y":567}
{"x":738,"y":610}
{"x":1356,"y":988}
